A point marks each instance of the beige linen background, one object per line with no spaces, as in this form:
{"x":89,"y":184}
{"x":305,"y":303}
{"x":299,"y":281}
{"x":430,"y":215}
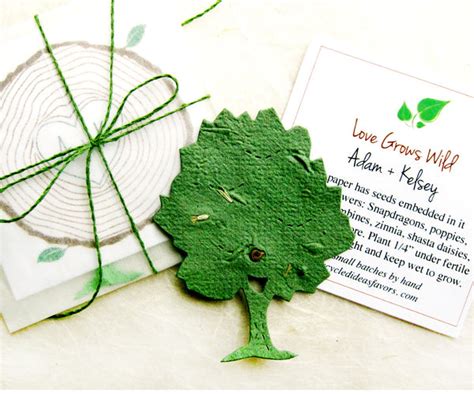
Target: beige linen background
{"x":153,"y":335}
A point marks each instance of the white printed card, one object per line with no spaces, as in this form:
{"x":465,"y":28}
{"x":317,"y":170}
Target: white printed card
{"x":399,"y":147}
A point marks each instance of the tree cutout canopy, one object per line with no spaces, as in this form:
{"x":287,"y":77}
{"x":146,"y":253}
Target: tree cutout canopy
{"x":250,"y":208}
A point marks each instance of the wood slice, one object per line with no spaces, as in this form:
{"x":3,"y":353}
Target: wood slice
{"x":37,"y":121}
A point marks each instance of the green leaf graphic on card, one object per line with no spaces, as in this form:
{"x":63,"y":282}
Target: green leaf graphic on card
{"x":428,"y":111}
{"x":51,"y":255}
{"x":404,"y":114}
{"x":110,"y":276}
{"x":135,"y":36}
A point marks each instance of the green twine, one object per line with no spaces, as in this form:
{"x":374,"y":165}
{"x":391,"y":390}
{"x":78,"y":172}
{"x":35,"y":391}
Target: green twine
{"x":107,"y":133}
{"x":202,"y":13}
{"x":111,"y":64}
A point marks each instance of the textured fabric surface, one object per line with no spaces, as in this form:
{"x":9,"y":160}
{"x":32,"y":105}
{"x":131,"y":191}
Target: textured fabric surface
{"x":152,"y":334}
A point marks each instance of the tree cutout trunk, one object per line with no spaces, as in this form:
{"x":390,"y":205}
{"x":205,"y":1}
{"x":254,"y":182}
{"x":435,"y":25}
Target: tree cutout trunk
{"x":260,"y":344}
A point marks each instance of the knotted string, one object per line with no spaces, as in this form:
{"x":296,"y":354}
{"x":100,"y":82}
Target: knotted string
{"x":108,"y":133}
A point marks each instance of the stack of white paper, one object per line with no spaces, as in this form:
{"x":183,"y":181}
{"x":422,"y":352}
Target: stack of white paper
{"x":48,"y":260}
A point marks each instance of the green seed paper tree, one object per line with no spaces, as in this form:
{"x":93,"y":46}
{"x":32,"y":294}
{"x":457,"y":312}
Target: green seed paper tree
{"x":250,"y":206}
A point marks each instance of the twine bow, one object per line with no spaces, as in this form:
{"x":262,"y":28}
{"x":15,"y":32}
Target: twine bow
{"x":108,"y":133}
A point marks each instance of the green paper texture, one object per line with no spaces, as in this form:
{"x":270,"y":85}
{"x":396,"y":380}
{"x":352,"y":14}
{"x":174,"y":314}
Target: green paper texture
{"x":250,"y":206}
